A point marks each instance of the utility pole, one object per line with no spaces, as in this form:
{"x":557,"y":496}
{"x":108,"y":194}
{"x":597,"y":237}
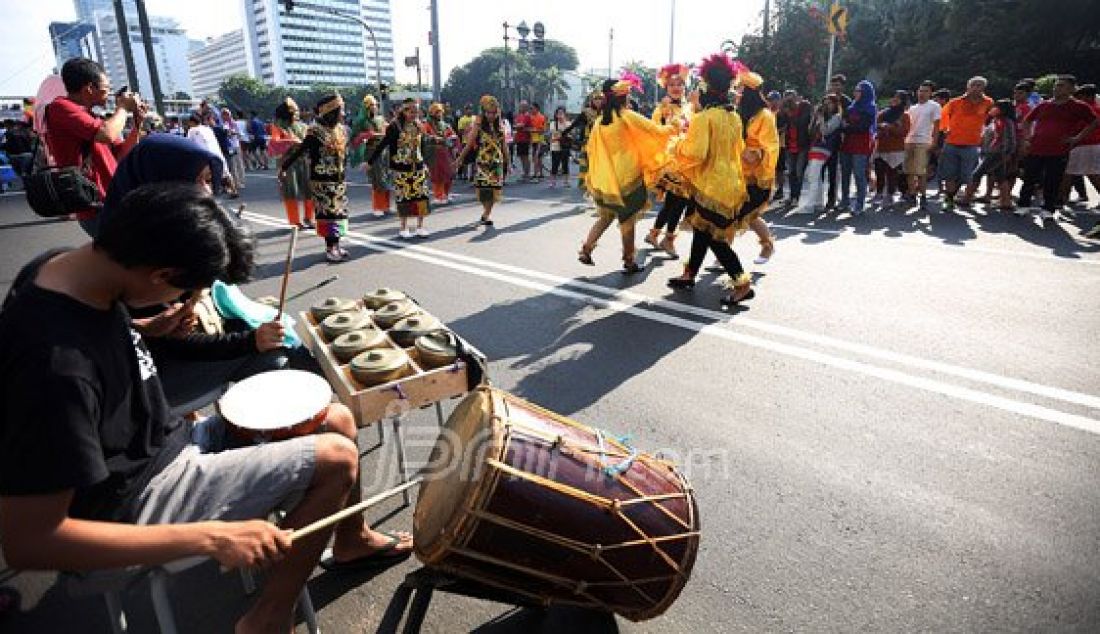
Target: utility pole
{"x":767,"y":22}
{"x":506,"y":97}
{"x":436,"y":77}
{"x":147,"y":41}
{"x":419,"y":80}
{"x":610,"y":42}
{"x":671,"y":32}
{"x":124,"y":42}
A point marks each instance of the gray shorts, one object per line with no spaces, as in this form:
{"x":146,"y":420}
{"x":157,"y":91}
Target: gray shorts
{"x":209,"y":481}
{"x":957,"y":163}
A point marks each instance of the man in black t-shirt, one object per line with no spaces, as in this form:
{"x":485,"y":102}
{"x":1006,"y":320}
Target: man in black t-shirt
{"x":95,"y":473}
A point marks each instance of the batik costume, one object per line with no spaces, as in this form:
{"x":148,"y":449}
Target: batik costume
{"x":367,"y":131}
{"x":286,"y":134}
{"x":327,"y":151}
{"x":489,"y":160}
{"x":439,"y":142}
{"x":407,"y":168}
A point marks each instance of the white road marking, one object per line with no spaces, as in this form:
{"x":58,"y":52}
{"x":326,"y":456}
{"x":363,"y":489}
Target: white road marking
{"x":795,"y":228}
{"x":451,"y":261}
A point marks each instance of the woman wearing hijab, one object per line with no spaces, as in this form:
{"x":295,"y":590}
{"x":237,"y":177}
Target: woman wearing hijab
{"x":855,"y":150}
{"x":195,"y":368}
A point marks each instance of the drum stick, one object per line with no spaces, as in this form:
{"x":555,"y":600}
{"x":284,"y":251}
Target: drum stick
{"x":336,"y":518}
{"x":286,"y":272}
{"x":313,"y":288}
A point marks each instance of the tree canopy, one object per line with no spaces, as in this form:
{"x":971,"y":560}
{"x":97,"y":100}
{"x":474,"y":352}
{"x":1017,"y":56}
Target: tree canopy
{"x":532,"y":76}
{"x":899,"y":43}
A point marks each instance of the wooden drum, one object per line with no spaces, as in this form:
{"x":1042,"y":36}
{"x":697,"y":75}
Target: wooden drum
{"x":522,"y":499}
{"x":275,"y":405}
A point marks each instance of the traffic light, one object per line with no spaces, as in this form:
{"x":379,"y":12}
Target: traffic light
{"x":384,"y":90}
{"x":289,"y":5}
{"x":538,"y":45}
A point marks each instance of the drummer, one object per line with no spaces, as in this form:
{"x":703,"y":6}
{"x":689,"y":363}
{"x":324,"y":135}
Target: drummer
{"x":95,"y":473}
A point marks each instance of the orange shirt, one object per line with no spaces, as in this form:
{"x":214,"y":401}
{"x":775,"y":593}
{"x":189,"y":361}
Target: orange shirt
{"x":538,"y":128}
{"x":964,"y":120}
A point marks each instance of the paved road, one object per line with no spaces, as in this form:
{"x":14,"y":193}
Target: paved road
{"x":901,"y":432}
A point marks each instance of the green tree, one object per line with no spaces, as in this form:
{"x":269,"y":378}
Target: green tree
{"x":536,"y":76}
{"x":898,"y":43}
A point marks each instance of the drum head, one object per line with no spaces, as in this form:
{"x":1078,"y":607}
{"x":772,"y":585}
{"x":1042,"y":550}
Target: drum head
{"x":455,"y":473}
{"x":275,"y":400}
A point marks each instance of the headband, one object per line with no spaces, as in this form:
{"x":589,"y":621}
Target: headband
{"x":329,"y":106}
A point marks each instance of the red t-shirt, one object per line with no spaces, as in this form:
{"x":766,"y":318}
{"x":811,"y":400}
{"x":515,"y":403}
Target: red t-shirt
{"x":1094,"y":138}
{"x":1056,"y":122}
{"x":72,"y":128}
{"x":522,"y":135}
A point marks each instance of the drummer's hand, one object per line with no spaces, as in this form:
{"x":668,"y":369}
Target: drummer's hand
{"x":269,"y":336}
{"x":165,"y":323}
{"x":249,"y":544}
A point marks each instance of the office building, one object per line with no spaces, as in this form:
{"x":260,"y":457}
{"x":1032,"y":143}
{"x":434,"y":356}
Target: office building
{"x":217,"y":59}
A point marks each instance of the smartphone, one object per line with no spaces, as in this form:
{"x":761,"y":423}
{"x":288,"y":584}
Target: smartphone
{"x":122,"y":91}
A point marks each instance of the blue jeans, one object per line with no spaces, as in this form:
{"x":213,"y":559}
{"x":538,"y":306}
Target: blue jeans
{"x":853,"y":164}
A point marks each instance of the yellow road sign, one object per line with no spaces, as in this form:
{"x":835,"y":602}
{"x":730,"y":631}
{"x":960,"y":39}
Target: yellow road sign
{"x":838,"y":20}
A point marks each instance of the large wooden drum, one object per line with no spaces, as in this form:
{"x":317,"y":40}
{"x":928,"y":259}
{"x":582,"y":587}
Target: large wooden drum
{"x":523,"y":499}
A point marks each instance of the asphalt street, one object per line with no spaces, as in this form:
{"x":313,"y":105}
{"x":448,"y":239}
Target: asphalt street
{"x":901,"y":432}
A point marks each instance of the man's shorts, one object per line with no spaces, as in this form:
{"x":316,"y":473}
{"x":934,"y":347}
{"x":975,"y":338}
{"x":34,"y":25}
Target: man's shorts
{"x":208,"y":481}
{"x":957,"y":163}
{"x":523,"y":148}
{"x":916,"y":158}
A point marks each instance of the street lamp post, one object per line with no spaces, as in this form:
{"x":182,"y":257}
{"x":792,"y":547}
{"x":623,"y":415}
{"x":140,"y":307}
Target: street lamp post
{"x":523,"y":45}
{"x":377,"y":57}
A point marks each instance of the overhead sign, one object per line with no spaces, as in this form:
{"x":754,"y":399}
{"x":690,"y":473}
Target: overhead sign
{"x":838,"y":20}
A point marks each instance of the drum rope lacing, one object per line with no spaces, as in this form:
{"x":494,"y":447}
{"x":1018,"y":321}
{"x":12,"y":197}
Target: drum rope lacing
{"x":616,"y":469}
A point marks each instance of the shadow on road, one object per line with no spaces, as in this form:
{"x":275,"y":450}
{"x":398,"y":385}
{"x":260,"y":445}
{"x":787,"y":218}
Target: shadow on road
{"x":571,"y":355}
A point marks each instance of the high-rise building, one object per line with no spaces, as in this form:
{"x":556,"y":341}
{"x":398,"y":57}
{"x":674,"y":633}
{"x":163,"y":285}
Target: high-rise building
{"x":308,"y":46}
{"x":70,"y":40}
{"x":219,"y":58}
{"x":86,"y":10}
{"x":170,"y":48}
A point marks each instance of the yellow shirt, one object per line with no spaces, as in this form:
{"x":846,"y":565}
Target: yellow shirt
{"x":707,"y":159}
{"x":623,"y":158}
{"x":763,"y":137}
{"x":677,"y":115}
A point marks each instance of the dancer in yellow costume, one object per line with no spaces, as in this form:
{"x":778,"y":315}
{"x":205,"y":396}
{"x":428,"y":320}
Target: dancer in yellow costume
{"x":675,"y":110}
{"x":624,"y":154}
{"x":759,"y":160}
{"x":708,"y":163}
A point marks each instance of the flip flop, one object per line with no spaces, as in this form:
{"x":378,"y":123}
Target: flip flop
{"x":381,"y":558}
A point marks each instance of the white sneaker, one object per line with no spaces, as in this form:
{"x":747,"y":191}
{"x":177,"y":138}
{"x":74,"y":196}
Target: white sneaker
{"x":405,"y":234}
{"x":422,"y":233}
{"x":378,"y":214}
{"x":1022,"y":211}
{"x":333,"y":256}
{"x":1045,"y":215}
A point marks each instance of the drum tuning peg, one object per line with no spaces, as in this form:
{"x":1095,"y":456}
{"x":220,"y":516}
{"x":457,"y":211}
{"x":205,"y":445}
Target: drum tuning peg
{"x":597,"y":550}
{"x":558,"y":442}
{"x":580,"y":587}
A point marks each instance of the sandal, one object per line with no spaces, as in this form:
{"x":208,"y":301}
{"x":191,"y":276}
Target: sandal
{"x":386,"y":556}
{"x":732,"y":299}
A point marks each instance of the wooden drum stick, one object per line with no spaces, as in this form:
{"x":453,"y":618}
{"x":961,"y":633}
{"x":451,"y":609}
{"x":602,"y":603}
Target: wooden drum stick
{"x":286,"y":272}
{"x":336,"y":518}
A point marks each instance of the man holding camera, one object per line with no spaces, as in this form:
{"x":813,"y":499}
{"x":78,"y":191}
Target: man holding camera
{"x":78,"y":138}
